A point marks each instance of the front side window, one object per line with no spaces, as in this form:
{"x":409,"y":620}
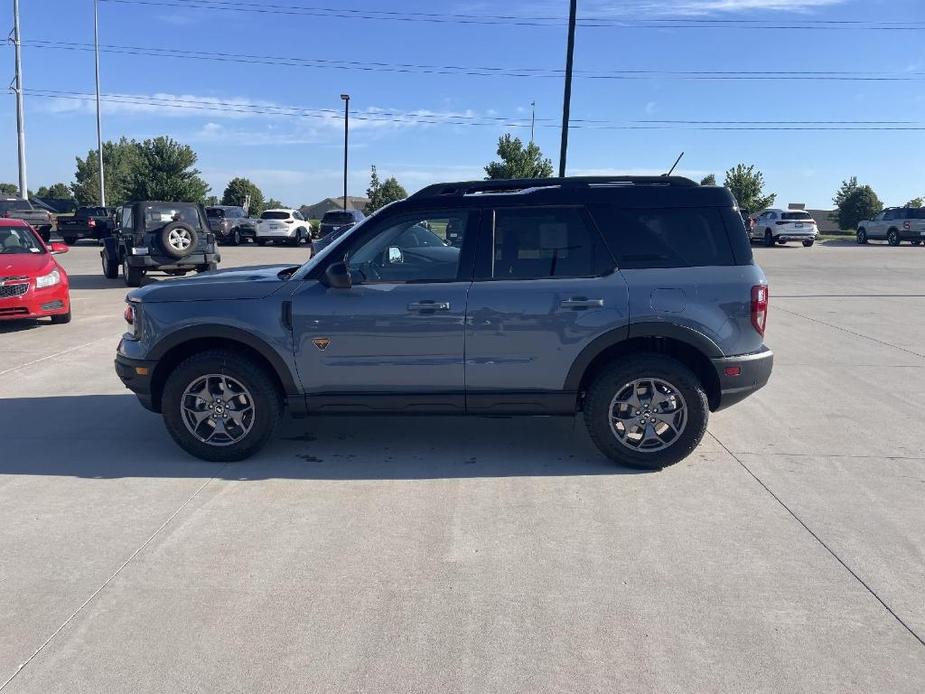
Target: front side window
{"x":537,"y":243}
{"x":127,"y":221}
{"x":412,"y":249}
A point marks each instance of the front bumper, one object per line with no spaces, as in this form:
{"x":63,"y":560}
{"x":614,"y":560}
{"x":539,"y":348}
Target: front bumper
{"x":36,"y":303}
{"x":136,"y":375}
{"x":754,"y":371}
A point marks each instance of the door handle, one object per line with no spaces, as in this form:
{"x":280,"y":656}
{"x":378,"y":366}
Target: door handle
{"x":580,"y":303}
{"x":428,"y":306}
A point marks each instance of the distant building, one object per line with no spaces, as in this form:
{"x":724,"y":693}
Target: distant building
{"x":317,"y":210}
{"x":824,"y":223}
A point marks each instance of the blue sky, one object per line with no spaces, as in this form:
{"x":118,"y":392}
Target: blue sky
{"x":411,"y":124}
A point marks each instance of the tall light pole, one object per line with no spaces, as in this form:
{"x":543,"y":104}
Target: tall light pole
{"x":99,"y":122}
{"x":20,"y":126}
{"x":532,"y":120}
{"x":567,"y":100}
{"x":346,"y":98}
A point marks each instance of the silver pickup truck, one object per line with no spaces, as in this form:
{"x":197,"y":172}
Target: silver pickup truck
{"x":894,"y":225}
{"x":20,"y":208}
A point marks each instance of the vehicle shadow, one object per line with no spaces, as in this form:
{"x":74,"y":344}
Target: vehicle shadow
{"x":112,"y":436}
{"x":93,"y":282}
{"x":20,"y":325}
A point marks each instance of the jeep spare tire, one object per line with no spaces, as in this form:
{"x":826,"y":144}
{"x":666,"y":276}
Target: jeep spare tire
{"x":178,"y":239}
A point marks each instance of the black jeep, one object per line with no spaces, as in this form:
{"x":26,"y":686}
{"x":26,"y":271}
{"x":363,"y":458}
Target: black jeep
{"x":172,"y":237}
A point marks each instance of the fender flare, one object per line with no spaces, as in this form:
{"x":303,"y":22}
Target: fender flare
{"x":226,"y":332}
{"x":702,"y":343}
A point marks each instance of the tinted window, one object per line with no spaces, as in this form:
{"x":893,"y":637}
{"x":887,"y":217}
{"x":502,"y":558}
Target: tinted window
{"x":337,"y":218}
{"x":275,"y":215}
{"x":681,"y":237}
{"x":215,"y":212}
{"x":796,"y":216}
{"x":160,"y":215}
{"x":7,"y":205}
{"x":915,"y":213}
{"x":889,"y":214}
{"x":533,"y":243}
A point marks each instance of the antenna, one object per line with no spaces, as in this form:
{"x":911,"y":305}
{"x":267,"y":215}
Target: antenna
{"x":673,"y":166}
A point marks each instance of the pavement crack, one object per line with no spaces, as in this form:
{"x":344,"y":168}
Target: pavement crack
{"x":851,"y":332}
{"x":112,"y":577}
{"x":819,"y":540}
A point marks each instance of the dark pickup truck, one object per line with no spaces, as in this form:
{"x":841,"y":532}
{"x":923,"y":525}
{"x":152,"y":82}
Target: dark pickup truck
{"x":19,"y":208}
{"x":87,"y":223}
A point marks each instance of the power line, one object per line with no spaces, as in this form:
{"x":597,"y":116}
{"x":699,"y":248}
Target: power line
{"x":478,"y":71}
{"x":463,"y":120}
{"x":627,"y":22}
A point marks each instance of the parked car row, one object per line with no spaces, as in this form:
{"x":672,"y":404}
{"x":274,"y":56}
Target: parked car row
{"x":894,"y":225}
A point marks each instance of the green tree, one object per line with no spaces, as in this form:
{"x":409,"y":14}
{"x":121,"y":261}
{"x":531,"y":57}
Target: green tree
{"x":236,"y":193}
{"x":708,"y":180}
{"x":915,"y":202}
{"x":747,"y":186}
{"x":164,"y":171}
{"x":56,"y":191}
{"x":854,"y":202}
{"x":273,"y":204}
{"x":120,"y":160}
{"x":9,"y":190}
{"x":518,"y":161}
{"x":381,"y":193}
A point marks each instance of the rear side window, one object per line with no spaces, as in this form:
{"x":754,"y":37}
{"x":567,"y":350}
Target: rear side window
{"x":679,"y":237}
{"x":215,"y":213}
{"x":10,"y":205}
{"x":537,"y":243}
{"x":915,"y":213}
{"x":796,"y":216}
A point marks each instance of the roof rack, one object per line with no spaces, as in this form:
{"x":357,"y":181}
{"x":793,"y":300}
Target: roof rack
{"x":524,"y":186}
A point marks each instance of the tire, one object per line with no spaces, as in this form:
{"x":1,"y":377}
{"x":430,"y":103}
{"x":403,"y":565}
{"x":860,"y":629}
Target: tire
{"x":916,"y":243}
{"x":209,"y":267}
{"x":768,"y":238}
{"x":235,"y":238}
{"x":892,"y":237}
{"x":862,"y":236}
{"x":45,"y":233}
{"x":807,"y":244}
{"x":261,"y":242}
{"x":202,"y":372}
{"x":61,"y":318}
{"x":132,"y":275}
{"x":178,"y":239}
{"x":616,"y":380}
{"x":110,"y":269}
{"x":70,"y":240}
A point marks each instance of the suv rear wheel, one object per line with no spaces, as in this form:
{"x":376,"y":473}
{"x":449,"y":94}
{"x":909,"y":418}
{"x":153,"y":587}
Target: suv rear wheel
{"x":220,"y":406}
{"x":133,"y":275}
{"x":768,"y":238}
{"x":647,"y":412}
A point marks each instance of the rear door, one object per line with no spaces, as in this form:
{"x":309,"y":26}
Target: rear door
{"x":546,"y":286}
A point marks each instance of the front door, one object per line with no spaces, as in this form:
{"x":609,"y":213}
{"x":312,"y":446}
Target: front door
{"x":394,"y":340}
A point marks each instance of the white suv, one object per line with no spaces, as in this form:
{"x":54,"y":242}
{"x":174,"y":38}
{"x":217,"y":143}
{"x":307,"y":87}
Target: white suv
{"x":781,"y":226}
{"x":282,"y":226}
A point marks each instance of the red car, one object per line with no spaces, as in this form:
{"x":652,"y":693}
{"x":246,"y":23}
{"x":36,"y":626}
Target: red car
{"x":32,"y":284}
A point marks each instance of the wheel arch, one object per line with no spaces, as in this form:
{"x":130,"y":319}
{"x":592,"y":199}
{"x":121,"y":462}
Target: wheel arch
{"x":184,"y":343}
{"x":691,"y":348}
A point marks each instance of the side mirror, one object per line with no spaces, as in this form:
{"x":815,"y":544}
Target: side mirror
{"x":337,"y":276}
{"x":56,"y":247}
{"x":395,"y":255}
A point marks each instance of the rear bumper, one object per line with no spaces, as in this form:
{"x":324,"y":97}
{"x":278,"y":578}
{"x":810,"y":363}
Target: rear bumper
{"x":165,"y":263}
{"x":754,"y":371}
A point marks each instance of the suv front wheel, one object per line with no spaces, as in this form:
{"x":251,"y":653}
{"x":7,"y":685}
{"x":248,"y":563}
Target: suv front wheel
{"x":647,"y":412}
{"x":220,"y":406}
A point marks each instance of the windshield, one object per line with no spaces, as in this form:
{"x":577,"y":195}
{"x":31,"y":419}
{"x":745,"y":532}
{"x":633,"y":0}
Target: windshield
{"x":162,"y":214}
{"x":19,"y":240}
{"x":7,"y":205}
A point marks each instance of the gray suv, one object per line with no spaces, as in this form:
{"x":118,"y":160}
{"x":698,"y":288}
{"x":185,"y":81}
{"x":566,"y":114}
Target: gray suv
{"x":634,"y":300}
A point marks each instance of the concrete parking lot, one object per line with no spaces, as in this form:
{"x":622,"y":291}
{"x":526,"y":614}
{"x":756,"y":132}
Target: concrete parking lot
{"x":470,"y":555}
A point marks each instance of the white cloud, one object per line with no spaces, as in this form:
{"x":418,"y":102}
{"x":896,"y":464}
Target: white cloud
{"x":651,"y":107}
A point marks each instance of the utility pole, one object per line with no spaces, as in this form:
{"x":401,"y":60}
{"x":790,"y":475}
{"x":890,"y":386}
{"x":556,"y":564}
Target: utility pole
{"x":532,"y":120}
{"x":567,"y":101}
{"x":17,"y":88}
{"x":346,"y":98}
{"x":99,"y":122}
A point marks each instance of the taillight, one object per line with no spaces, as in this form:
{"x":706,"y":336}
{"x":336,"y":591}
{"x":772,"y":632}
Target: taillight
{"x":907,"y":225}
{"x":129,"y":314}
{"x":290,"y":221}
{"x":779,"y":222}
{"x":760,"y":307}
{"x":91,"y":223}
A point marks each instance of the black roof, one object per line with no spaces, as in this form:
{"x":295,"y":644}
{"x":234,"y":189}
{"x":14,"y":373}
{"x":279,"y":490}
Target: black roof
{"x":629,"y":191}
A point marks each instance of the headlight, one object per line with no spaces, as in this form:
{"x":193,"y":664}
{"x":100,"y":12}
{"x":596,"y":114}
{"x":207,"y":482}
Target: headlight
{"x":49,"y":280}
